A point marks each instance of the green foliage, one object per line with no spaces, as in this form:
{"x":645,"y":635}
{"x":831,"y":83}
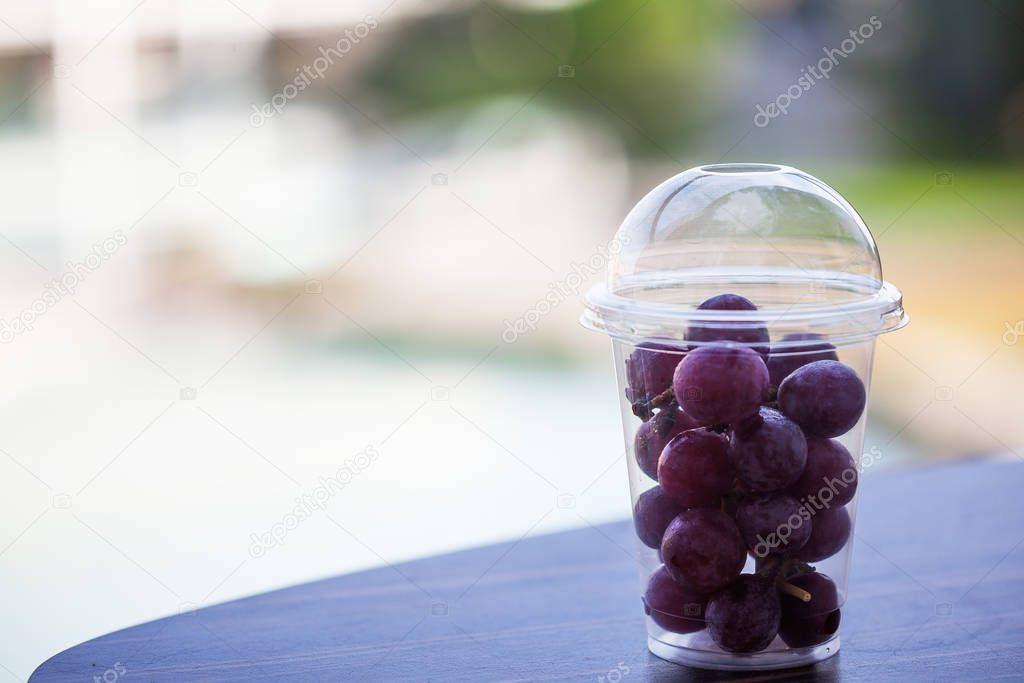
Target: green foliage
{"x":638,"y":63}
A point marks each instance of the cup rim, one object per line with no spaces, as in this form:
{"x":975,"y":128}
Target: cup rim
{"x":635,"y":320}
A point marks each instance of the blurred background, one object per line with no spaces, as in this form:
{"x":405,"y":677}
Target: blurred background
{"x":261,"y":260}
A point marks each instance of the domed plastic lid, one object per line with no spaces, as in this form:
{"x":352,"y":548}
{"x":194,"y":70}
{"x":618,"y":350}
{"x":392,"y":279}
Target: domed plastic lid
{"x":775,"y":235}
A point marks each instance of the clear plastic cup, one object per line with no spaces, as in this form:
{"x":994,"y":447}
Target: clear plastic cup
{"x":717,"y":474}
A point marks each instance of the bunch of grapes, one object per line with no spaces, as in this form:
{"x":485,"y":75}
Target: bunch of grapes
{"x":741,"y":442}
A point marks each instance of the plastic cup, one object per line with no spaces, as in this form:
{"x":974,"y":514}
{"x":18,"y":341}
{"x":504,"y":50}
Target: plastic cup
{"x":719,"y":486}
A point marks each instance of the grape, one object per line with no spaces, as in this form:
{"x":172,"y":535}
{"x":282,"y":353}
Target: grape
{"x":702,"y":549}
{"x":652,"y":436}
{"x":809,"y":623}
{"x":830,"y":529}
{"x":706,"y":331}
{"x":781,"y":365}
{"x":830,"y":475}
{"x":773,"y":524}
{"x":744,"y":616}
{"x":826,"y":398}
{"x":768,"y":451}
{"x":727,"y":302}
{"x":694,"y":469}
{"x":720,"y":383}
{"x":649,"y":370}
{"x":673,"y":607}
{"x":652,"y":514}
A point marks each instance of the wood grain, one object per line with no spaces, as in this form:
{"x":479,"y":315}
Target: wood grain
{"x":937,"y":594}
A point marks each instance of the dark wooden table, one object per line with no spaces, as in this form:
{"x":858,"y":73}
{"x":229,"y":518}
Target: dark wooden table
{"x":937,"y":594}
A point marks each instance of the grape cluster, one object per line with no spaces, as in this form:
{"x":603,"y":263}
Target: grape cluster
{"x":741,"y":442}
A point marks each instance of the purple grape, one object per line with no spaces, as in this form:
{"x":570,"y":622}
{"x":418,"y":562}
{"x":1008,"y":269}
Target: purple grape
{"x":826,"y":398}
{"x":653,"y":435}
{"x":830,"y":476}
{"x":830,"y":529}
{"x":649,"y":370}
{"x":810,"y":623}
{"x":694,"y":468}
{"x":773,"y":524}
{"x":744,"y":616}
{"x":768,"y":451}
{"x":702,"y":549}
{"x":673,"y":607}
{"x":652,"y":514}
{"x":756,"y":335}
{"x":788,"y":359}
{"x":720,"y":383}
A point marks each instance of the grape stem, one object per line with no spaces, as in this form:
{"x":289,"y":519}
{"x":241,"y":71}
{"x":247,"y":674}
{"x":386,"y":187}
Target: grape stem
{"x":780,"y":570}
{"x":790,"y":589}
{"x":793,"y":567}
{"x":646,"y":405}
{"x":666,"y":396}
{"x":770,"y":568}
